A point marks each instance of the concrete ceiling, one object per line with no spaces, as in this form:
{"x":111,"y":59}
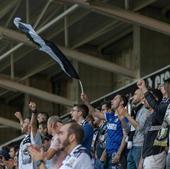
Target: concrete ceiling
{"x":86,"y":31}
{"x":90,"y":27}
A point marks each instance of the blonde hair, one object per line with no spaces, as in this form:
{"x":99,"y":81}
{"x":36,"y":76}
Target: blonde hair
{"x":54,"y":119}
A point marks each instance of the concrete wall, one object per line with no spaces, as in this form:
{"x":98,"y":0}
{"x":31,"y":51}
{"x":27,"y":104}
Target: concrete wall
{"x":155,"y":51}
{"x":96,"y":82}
{"x":124,"y":56}
{"x":43,"y":84}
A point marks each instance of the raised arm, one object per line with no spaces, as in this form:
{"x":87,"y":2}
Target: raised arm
{"x":18,"y":115}
{"x":92,"y":110}
{"x":33,"y":109}
{"x":159,"y":108}
{"x":148,"y":96}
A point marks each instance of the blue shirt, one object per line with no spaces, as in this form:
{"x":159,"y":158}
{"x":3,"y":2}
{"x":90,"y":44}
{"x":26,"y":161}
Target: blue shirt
{"x":114,"y":133}
{"x":88,"y":135}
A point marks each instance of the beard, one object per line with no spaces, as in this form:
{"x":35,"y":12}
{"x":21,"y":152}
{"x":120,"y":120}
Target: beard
{"x":24,"y":130}
{"x":65,"y":144}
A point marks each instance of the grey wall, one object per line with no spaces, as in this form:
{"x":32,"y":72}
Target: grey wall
{"x":155,"y":51}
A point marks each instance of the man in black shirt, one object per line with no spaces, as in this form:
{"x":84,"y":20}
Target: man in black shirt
{"x":153,"y":156}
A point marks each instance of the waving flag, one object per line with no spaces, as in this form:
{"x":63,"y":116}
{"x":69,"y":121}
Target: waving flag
{"x":48,"y":47}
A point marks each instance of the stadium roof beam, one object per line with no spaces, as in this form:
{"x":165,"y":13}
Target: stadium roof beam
{"x":96,"y":32}
{"x":139,"y":4}
{"x":13,"y":13}
{"x":7,"y":8}
{"x":69,"y":10}
{"x":9,"y":123}
{"x":42,"y":13}
{"x":136,"y":6}
{"x":125,"y":15}
{"x":106,"y":27}
{"x":12,"y":85}
{"x":59,"y":30}
{"x":81,"y":57}
{"x":12,"y":141}
{"x":47,"y":64}
{"x":127,"y":31}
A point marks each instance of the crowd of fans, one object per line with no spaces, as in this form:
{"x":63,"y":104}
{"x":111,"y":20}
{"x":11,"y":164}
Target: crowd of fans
{"x":123,"y":133}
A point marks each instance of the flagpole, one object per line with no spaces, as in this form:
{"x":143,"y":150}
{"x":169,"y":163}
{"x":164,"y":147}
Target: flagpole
{"x":81,"y":87}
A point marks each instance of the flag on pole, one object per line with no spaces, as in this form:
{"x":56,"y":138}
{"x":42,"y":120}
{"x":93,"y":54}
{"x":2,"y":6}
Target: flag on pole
{"x":48,"y":47}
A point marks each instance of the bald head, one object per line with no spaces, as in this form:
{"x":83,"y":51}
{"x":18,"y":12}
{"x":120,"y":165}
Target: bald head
{"x":54,"y":123}
{"x":54,"y":120}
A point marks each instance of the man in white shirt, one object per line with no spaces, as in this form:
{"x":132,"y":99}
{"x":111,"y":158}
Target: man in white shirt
{"x":70,"y":136}
{"x":53,"y":153}
{"x":29,"y":128}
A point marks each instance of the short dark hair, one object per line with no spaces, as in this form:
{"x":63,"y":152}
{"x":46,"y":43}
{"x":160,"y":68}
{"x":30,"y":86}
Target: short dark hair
{"x":47,"y":137}
{"x":167,"y":81}
{"x":76,"y":129}
{"x":156,"y":93}
{"x":14,"y":146}
{"x":167,"y":88}
{"x":43,"y":124}
{"x":107,"y":103}
{"x":124,"y":99}
{"x":83,"y":108}
{"x":4,"y":153}
{"x":44,"y":113}
{"x":27,"y":117}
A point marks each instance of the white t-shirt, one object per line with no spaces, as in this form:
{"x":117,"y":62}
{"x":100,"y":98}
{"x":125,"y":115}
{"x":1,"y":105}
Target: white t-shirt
{"x":77,"y":159}
{"x":25,"y":160}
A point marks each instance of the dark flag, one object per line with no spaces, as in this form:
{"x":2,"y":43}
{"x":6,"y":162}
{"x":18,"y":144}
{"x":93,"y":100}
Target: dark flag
{"x":48,"y":47}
